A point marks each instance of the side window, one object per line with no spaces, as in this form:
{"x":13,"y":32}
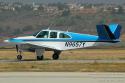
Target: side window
{"x":53,"y":34}
{"x":43,"y":34}
{"x":62,"y":35}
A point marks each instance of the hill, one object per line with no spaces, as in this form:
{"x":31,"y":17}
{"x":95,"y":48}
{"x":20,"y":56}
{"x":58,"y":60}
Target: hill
{"x":67,"y":1}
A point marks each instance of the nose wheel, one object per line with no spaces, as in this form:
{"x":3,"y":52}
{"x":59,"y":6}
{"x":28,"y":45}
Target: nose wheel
{"x":19,"y":57}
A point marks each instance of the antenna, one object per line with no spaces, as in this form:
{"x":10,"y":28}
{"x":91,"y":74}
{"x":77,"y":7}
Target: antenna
{"x":50,"y":26}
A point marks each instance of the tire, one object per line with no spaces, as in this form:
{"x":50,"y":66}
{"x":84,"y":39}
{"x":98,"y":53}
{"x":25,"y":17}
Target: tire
{"x":40,"y":57}
{"x":19,"y":57}
{"x":55,"y":56}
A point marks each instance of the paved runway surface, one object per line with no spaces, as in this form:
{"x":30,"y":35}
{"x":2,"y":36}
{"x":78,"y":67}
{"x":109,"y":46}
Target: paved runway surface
{"x":61,"y":77}
{"x":65,"y":61}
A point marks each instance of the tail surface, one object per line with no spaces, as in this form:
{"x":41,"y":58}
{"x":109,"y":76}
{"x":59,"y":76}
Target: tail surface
{"x":109,"y":32}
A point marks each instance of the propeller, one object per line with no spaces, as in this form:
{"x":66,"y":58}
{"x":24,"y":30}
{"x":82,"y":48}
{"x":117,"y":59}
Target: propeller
{"x":17,"y":49}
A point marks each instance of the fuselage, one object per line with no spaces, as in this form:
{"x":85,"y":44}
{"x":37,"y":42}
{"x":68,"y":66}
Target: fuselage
{"x":58,"y":40}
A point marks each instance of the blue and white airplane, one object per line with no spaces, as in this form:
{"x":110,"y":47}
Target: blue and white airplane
{"x":58,"y":41}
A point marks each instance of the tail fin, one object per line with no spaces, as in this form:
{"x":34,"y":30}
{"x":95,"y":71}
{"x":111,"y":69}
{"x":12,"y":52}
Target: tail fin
{"x":111,"y":32}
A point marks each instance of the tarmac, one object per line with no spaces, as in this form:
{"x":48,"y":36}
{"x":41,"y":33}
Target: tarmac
{"x":61,"y":77}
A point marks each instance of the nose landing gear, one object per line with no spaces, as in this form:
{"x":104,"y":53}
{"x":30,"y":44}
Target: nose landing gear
{"x":19,"y":56}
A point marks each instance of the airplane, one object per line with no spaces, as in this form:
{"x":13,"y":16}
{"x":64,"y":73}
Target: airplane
{"x":58,"y":41}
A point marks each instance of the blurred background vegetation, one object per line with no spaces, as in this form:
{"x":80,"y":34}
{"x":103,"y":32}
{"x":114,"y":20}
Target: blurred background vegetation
{"x":18,"y":19}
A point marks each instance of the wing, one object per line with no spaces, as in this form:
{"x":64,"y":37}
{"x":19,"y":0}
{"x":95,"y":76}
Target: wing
{"x":38,"y":45}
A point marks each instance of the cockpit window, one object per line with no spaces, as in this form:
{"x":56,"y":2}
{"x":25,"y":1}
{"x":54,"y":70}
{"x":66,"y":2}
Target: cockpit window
{"x":53,"y":35}
{"x":62,"y":35}
{"x":43,"y":34}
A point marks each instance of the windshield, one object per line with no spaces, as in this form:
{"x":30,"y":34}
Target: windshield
{"x":43,"y":34}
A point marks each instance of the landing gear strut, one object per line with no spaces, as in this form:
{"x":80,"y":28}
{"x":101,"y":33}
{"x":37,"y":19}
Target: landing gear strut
{"x":56,"y":55}
{"x":19,"y":52}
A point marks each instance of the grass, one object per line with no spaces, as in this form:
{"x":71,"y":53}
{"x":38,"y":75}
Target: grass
{"x":38,"y":66}
{"x":62,"y":67}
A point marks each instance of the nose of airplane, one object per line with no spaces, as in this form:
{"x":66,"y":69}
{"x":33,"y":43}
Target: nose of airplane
{"x":6,"y":41}
{"x":13,"y":40}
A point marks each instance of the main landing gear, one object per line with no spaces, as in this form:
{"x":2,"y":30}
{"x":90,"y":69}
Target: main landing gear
{"x":39,"y":54}
{"x":56,"y":54}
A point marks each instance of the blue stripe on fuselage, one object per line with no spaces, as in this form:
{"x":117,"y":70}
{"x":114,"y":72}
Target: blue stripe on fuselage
{"x":74,"y":37}
{"x":56,"y":40}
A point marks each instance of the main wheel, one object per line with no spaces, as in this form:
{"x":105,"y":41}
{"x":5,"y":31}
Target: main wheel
{"x":40,"y":57}
{"x":55,"y":56}
{"x":19,"y":57}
